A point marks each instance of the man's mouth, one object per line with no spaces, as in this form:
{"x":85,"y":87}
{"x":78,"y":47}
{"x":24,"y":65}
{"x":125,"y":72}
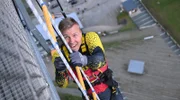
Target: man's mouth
{"x":73,"y":46}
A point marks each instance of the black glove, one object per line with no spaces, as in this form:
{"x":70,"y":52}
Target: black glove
{"x":59,"y":64}
{"x":77,"y":59}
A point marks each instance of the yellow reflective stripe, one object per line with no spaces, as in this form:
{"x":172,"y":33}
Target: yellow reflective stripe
{"x":83,"y":45}
{"x":66,"y":53}
{"x":54,"y":54}
{"x":83,"y":48}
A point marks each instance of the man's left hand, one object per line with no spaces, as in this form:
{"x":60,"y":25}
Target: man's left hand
{"x":77,"y":59}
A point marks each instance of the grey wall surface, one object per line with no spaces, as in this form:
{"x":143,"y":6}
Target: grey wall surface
{"x":20,"y":75}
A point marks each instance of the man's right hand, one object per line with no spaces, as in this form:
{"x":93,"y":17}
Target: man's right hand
{"x":59,"y":64}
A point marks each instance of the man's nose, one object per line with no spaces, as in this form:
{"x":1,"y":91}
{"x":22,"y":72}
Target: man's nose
{"x":71,"y":40}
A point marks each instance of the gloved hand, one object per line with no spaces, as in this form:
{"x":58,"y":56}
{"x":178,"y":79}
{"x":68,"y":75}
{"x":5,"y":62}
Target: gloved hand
{"x":77,"y":59}
{"x":59,"y":64}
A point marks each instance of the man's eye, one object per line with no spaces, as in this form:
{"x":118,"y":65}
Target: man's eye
{"x":65,"y":37}
{"x":75,"y":35}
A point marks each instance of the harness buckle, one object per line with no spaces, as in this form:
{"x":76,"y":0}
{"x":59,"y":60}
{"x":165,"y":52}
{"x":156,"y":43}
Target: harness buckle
{"x":96,"y":78}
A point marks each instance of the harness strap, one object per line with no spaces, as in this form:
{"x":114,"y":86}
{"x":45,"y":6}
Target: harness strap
{"x":101,"y":70}
{"x":94,"y":75}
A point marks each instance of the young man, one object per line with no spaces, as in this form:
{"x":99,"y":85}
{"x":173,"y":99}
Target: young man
{"x":88,"y":53}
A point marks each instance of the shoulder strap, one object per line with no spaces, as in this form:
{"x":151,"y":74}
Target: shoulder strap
{"x":84,"y":48}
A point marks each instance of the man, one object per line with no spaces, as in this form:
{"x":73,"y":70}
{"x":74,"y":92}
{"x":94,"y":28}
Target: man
{"x":88,"y":53}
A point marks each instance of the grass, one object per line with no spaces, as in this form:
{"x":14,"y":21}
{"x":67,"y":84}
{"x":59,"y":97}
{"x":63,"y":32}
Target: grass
{"x":111,"y":44}
{"x":167,"y":13}
{"x":65,"y":96}
{"x":129,"y":25}
{"x":70,"y":84}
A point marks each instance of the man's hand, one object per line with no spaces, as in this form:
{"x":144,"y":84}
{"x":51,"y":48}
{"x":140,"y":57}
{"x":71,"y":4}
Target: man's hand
{"x":59,"y":64}
{"x":77,"y":59}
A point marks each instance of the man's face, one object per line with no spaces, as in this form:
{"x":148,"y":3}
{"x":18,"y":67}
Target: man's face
{"x":73,"y":37}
